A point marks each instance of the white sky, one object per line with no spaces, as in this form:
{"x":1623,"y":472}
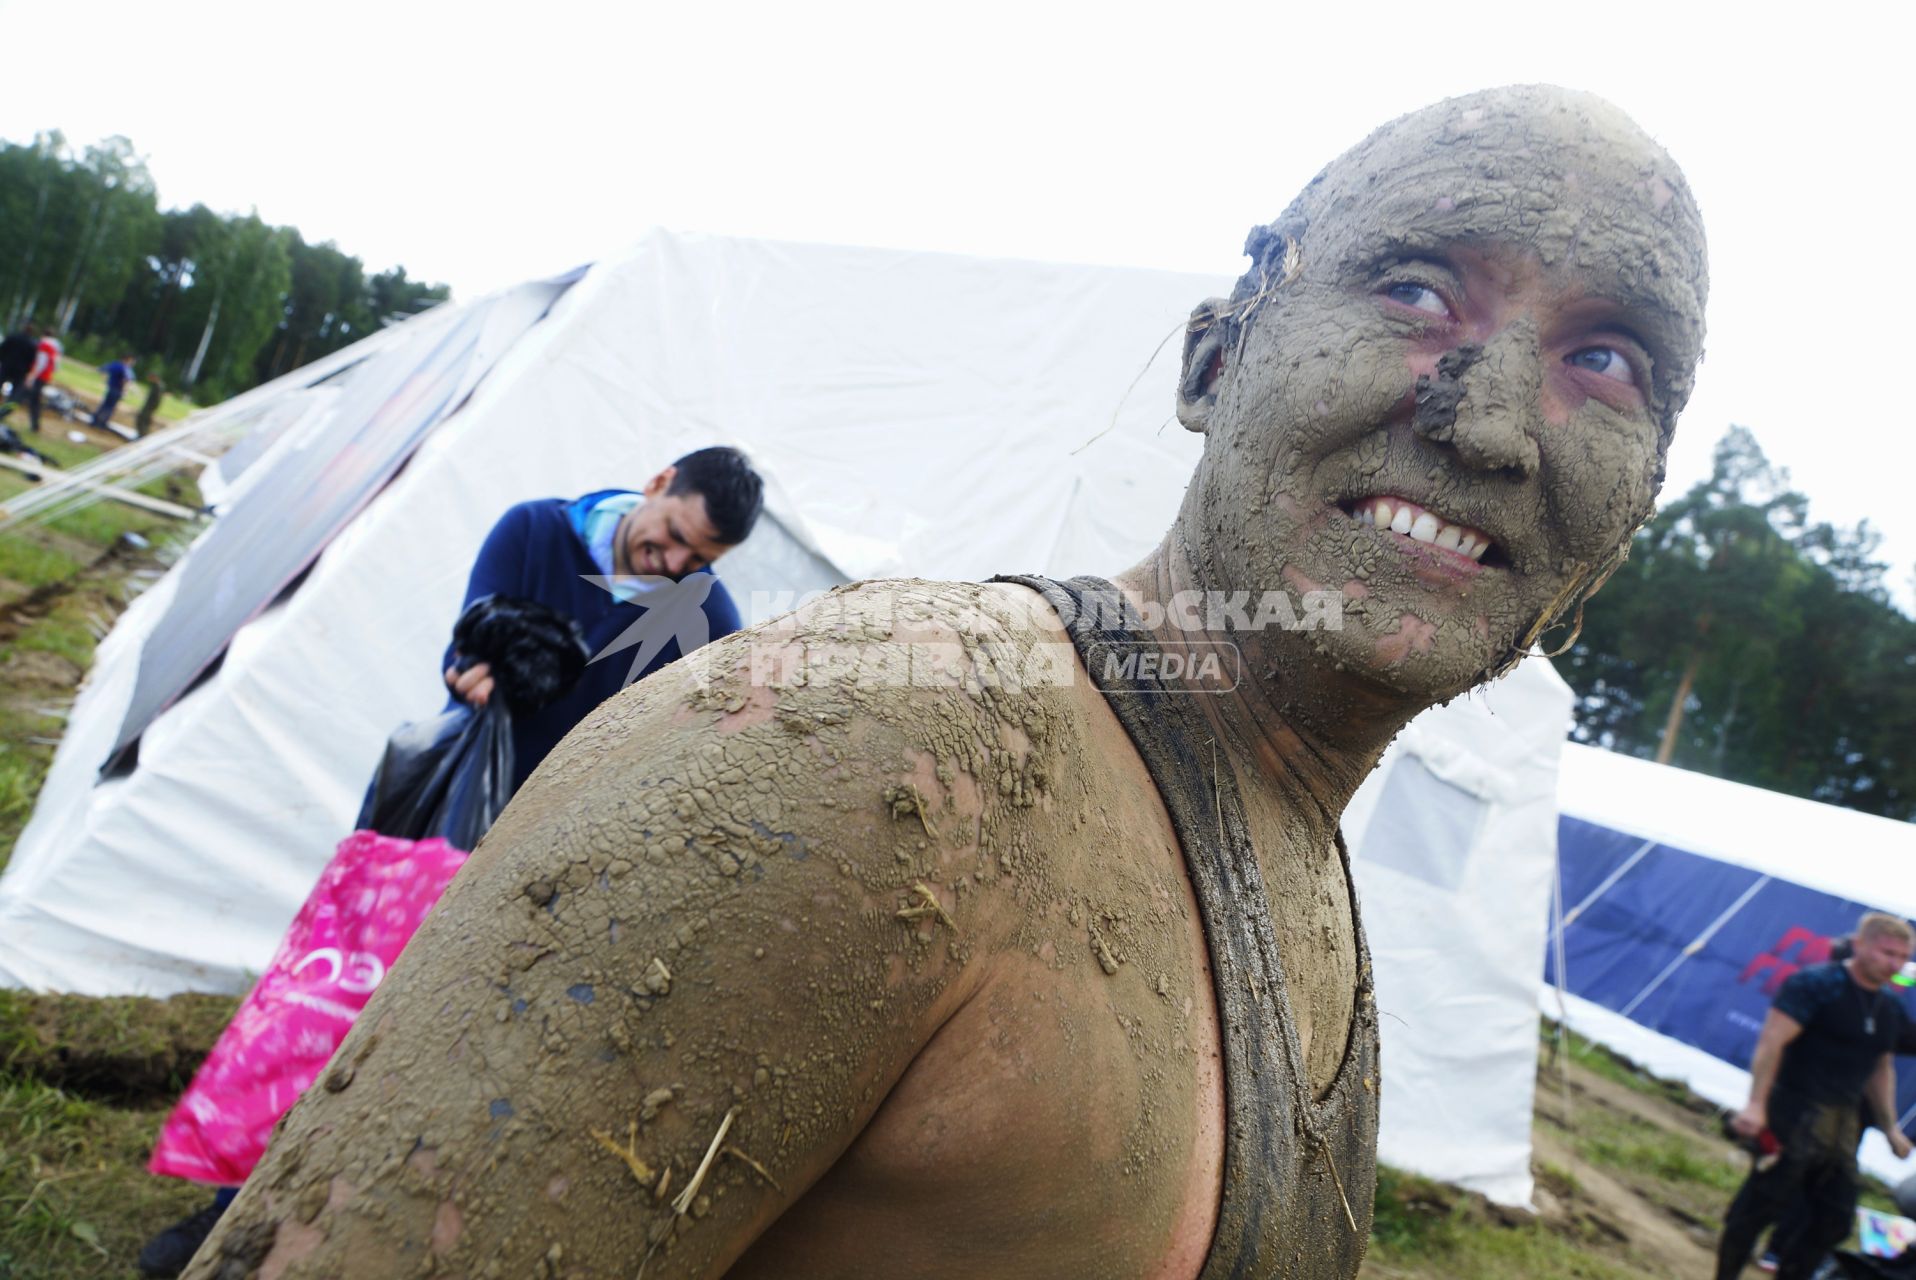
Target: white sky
{"x":481,"y":144}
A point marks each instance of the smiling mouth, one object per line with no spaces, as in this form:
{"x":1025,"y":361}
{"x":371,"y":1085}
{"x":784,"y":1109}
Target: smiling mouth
{"x":1402,"y":516}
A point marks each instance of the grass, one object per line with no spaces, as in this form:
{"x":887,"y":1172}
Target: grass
{"x":67,"y":454}
{"x":1433,"y":1229}
{"x":33,"y":564}
{"x":54,"y":443}
{"x":19,"y":782}
{"x":126,"y":1048}
{"x":62,"y":636}
{"x":75,"y":1198}
{"x":84,"y":1087}
{"x":1640,"y":1148}
{"x":1600,"y":1061}
{"x":1555,"y":1175}
{"x":88,"y":384}
{"x":65,"y":621}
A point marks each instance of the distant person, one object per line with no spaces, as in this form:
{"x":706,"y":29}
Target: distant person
{"x":46,"y":359}
{"x":634,"y":569}
{"x":17,"y":353}
{"x":118,"y":374}
{"x":1797,"y":1218}
{"x":1825,"y":1046}
{"x":155,"y":389}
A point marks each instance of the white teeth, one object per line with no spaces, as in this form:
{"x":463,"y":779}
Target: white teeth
{"x":1421,"y":526}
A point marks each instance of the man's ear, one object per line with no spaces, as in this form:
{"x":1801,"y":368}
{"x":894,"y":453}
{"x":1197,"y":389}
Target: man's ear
{"x":1203,"y":365}
{"x":659,"y":483}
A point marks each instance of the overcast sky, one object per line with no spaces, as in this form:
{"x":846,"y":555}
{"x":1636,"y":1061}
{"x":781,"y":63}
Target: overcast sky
{"x":482,"y":144}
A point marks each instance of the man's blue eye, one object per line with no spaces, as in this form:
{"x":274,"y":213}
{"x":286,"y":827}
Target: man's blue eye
{"x":1422,"y":297}
{"x":1607,"y":362}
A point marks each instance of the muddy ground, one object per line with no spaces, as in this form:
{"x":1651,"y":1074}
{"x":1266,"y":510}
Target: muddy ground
{"x":1633,"y":1183}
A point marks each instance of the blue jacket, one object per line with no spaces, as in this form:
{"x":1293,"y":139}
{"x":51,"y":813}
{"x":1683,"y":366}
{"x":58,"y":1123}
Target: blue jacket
{"x":535,"y":553}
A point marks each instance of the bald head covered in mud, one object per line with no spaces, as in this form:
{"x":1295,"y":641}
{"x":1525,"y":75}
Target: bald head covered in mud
{"x":880,"y":939}
{"x":1492,"y":308}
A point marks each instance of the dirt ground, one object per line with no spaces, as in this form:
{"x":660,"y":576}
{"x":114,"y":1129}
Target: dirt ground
{"x":1666,"y":1224}
{"x":1633,"y":1184}
{"x":1632,"y":1180}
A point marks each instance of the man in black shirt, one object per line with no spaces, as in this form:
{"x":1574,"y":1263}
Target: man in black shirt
{"x":17,"y":351}
{"x":1825,"y":1046}
{"x":1796,"y":1219}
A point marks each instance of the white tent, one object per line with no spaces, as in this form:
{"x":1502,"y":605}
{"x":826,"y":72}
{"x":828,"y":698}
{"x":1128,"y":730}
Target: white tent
{"x":1687,"y":900}
{"x":942,"y":416}
{"x":1452,"y":842}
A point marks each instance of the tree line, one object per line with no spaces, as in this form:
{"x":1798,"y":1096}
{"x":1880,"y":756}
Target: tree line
{"x":212,"y":303}
{"x":1743,"y":640}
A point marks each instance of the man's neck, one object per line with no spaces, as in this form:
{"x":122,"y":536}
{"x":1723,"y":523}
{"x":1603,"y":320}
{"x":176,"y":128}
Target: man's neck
{"x":1860,"y":978}
{"x":1308,"y":733}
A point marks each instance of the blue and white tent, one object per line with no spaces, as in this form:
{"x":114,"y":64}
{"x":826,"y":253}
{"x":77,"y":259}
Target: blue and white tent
{"x":1687,"y":900}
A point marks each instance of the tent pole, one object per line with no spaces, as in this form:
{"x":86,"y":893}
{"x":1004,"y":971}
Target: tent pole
{"x":1559,"y":1049}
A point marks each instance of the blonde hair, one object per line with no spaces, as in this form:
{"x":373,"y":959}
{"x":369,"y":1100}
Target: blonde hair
{"x":1875,"y":924}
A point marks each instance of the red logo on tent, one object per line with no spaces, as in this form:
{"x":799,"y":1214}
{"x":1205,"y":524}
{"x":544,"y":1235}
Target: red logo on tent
{"x":1779,"y":963}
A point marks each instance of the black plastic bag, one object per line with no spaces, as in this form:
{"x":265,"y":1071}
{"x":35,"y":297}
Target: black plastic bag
{"x":452,"y":775}
{"x":448,"y":776}
{"x":10,"y":442}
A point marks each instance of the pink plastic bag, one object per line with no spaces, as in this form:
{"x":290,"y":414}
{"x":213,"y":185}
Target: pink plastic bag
{"x":356,"y":921}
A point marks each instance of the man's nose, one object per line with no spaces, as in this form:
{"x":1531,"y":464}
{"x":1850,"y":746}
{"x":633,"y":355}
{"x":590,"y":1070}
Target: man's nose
{"x":678,"y":560}
{"x":1501,"y":405}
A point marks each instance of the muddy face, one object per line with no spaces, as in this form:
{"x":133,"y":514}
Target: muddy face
{"x":1447,"y":385}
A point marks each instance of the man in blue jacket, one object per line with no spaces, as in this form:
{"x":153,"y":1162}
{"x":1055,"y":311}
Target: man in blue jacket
{"x":635,"y":571}
{"x":118,"y":374}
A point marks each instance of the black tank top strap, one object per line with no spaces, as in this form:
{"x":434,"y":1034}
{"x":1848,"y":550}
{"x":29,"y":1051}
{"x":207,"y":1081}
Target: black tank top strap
{"x":1298,"y":1171}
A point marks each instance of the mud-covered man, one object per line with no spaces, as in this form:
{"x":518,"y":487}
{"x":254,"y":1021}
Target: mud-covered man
{"x":1826,"y":1045}
{"x":883,"y":941}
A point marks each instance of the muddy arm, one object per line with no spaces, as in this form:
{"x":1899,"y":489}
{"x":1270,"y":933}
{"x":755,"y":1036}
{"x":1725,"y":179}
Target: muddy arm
{"x":670,"y":988}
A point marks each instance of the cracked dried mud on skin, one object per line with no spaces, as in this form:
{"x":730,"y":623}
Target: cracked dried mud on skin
{"x":751,"y":861}
{"x":1564,"y":176}
{"x":1438,"y":397}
